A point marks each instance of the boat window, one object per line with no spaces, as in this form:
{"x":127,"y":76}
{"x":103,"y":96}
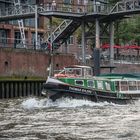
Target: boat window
{"x":138,"y":83}
{"x":124,"y":86}
{"x":73,"y":71}
{"x":79,"y":82}
{"x":117,"y":85}
{"x":132,"y":85}
{"x":107,"y":85}
{"x":77,"y":72}
{"x":100,"y":84}
{"x":69,"y":71}
{"x":87,"y":72}
{"x":91,"y":83}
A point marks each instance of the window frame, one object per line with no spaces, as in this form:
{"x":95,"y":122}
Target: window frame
{"x":93,"y":83}
{"x":80,"y":81}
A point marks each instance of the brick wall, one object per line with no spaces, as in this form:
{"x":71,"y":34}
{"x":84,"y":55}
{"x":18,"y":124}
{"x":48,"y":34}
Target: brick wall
{"x":30,"y":63}
{"x":123,"y":68}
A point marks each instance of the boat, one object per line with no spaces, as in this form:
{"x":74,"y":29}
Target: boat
{"x":78,"y":82}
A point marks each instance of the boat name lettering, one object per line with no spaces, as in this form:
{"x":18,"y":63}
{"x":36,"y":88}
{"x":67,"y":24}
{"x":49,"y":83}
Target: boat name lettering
{"x":80,"y":90}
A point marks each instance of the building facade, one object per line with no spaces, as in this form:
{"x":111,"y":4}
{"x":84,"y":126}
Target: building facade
{"x":10,"y":35}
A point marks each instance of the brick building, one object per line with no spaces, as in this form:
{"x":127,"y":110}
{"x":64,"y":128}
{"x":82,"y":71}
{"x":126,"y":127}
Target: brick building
{"x":9,"y":30}
{"x":10,"y":33}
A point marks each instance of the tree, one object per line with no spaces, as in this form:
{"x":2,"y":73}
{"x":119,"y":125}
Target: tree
{"x":128,"y":31}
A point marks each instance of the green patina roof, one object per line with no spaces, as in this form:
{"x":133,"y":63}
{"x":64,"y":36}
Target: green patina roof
{"x":120,"y":76}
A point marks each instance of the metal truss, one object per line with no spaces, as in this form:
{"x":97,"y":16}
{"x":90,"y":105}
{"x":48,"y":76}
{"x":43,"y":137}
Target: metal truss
{"x":120,"y":7}
{"x":20,"y":22}
{"x":128,"y":6}
{"x":67,"y":27}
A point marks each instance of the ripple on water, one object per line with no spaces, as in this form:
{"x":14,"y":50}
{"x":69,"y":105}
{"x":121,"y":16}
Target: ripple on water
{"x":38,"y":118}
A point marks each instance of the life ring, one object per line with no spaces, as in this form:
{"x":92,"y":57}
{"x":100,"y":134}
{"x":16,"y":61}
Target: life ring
{"x":65,"y":75}
{"x":72,"y":75}
{"x":60,"y":75}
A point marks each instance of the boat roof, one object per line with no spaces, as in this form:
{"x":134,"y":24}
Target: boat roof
{"x":117,"y":76}
{"x":78,"y":66}
{"x":84,"y":66}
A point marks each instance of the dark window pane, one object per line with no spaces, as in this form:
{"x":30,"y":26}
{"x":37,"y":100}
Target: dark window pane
{"x":79,"y":82}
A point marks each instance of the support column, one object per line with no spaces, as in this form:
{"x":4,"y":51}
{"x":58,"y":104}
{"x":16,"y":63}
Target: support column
{"x":29,"y":38}
{"x":94,"y":6}
{"x":36,"y":27}
{"x":51,"y":37}
{"x":111,"y":45}
{"x":10,"y":35}
{"x":66,"y":47}
{"x":51,"y":49}
{"x":96,"y":51}
{"x":83,"y":43}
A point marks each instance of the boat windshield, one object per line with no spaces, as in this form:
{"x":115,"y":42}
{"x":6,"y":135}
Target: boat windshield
{"x":77,"y":71}
{"x":73,"y":71}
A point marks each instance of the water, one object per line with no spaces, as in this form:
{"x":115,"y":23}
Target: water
{"x":68,"y":119}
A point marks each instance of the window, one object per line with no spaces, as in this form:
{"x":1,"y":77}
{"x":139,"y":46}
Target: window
{"x":138,"y":83}
{"x":29,"y":22}
{"x":85,"y":1}
{"x":117,"y":85}
{"x":33,"y":38}
{"x":132,"y":85}
{"x":90,"y":83}
{"x":107,"y":85}
{"x":124,"y":86}
{"x":17,"y":38}
{"x":100,"y":84}
{"x":88,"y":72}
{"x":80,"y":2}
{"x":79,"y":82}
{"x":67,"y":1}
{"x":3,"y":37}
{"x":67,"y":5}
{"x":71,"y":40}
{"x":24,"y":1}
{"x":80,"y":46}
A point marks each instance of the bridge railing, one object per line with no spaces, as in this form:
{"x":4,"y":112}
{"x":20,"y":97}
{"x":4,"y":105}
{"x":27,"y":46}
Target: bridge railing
{"x":60,"y":7}
{"x":98,"y":8}
{"x":13,"y":10}
{"x":126,"y":6}
{"x":72,"y":8}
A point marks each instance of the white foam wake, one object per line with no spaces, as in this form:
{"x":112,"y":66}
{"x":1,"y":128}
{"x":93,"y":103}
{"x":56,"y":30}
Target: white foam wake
{"x":60,"y":103}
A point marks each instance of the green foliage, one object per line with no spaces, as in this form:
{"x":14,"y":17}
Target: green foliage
{"x":56,"y":22}
{"x":129,"y":30}
{"x":79,"y":35}
{"x":113,"y":1}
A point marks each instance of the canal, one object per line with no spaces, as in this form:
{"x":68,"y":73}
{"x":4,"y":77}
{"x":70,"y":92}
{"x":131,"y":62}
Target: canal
{"x":38,"y":118}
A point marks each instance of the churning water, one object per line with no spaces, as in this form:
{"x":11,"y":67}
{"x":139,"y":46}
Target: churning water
{"x":68,"y":119}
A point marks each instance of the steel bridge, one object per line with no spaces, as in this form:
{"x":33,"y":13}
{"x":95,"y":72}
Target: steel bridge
{"x":122,"y":8}
{"x":74,"y":16}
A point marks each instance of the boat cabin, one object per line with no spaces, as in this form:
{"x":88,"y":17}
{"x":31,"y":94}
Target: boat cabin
{"x":75,"y":71}
{"x":82,"y":76}
{"x":118,"y":84}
